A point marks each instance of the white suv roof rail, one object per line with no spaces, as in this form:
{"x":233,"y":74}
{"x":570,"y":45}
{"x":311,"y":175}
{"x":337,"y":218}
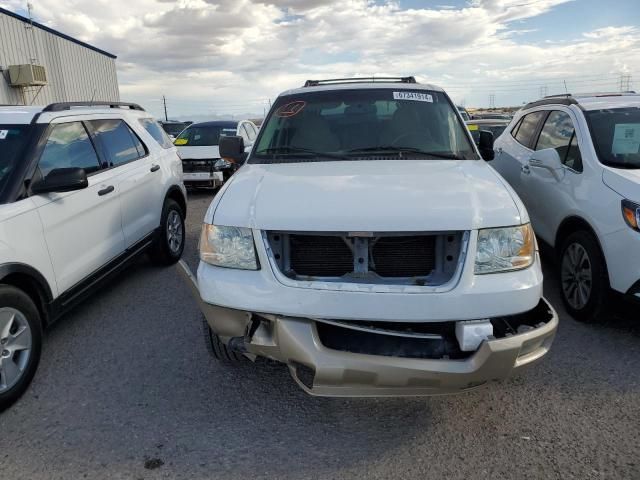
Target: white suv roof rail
{"x":337,"y":81}
{"x":61,"y":106}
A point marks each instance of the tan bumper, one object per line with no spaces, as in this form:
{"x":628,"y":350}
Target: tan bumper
{"x":327,"y":372}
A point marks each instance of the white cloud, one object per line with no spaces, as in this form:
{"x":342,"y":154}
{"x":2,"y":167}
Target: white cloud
{"x":231,"y":55}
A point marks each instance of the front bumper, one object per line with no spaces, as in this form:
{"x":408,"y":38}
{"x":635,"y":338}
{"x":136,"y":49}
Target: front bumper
{"x":328,"y":372}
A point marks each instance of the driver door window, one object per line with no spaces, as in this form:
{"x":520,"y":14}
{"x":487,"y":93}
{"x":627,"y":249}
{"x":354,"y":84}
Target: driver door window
{"x":69,"y":146}
{"x":558,"y":133}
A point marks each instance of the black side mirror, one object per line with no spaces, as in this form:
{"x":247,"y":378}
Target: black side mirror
{"x":61,"y":180}
{"x":232,"y":148}
{"x":485,"y":145}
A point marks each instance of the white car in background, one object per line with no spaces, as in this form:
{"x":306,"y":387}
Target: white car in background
{"x":198,"y":148}
{"x":575,"y":162}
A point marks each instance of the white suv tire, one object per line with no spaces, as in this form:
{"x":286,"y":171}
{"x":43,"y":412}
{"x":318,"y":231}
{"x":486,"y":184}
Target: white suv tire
{"x":584,"y":283}
{"x":20,"y":343}
{"x":169,"y":243}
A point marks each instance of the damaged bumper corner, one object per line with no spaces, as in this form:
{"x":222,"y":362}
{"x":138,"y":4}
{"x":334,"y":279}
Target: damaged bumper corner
{"x":324,"y":371}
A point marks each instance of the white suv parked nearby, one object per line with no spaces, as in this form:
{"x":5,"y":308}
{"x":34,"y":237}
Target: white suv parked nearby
{"x":366,"y":244}
{"x":84,"y":188}
{"x":575,"y":162}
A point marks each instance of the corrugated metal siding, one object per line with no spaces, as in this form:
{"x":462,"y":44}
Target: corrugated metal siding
{"x":74,"y":72}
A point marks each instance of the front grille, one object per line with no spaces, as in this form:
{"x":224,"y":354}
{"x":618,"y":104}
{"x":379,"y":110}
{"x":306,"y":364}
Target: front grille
{"x":191,"y":166}
{"x":382,"y":258}
{"x":320,"y":256}
{"x":404,"y":256}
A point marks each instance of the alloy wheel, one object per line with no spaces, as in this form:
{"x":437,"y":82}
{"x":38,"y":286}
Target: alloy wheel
{"x":15,"y":346}
{"x":576,"y":276}
{"x":174,"y":231}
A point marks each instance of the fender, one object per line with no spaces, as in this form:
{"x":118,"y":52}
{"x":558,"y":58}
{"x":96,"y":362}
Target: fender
{"x":7,"y":269}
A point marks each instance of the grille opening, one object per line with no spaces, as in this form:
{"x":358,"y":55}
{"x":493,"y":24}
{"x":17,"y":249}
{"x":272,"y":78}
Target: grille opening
{"x":394,"y":258}
{"x":320,"y":256}
{"x":404,"y":256}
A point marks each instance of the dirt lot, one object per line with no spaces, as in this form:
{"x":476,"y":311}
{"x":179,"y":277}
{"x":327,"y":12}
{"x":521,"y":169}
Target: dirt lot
{"x":126,"y":389}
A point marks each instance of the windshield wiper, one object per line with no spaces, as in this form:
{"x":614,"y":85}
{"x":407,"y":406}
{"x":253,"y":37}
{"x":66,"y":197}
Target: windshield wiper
{"x":287,"y":150}
{"x":401,"y":150}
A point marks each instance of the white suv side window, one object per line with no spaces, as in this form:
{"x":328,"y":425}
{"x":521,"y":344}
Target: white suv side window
{"x":119,"y":143}
{"x":68,"y":146}
{"x":558,"y":133}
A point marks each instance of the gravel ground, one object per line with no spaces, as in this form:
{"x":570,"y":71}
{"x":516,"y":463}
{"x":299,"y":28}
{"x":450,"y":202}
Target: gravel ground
{"x":127,"y":390}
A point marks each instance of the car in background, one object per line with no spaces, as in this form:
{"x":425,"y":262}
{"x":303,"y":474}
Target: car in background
{"x":463,"y":113}
{"x":84,"y":189}
{"x":492,"y":116}
{"x":198,"y":148}
{"x":366,"y":244}
{"x":575,"y":162}
{"x":173,"y":127}
{"x":496,"y":127}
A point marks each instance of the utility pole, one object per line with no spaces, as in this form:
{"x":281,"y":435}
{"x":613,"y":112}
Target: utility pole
{"x":492,"y":100}
{"x":625,"y":82}
{"x":543,"y":91}
{"x":164,"y":101}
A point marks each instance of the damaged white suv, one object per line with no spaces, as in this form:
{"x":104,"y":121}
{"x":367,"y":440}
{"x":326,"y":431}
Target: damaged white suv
{"x":367,"y":245}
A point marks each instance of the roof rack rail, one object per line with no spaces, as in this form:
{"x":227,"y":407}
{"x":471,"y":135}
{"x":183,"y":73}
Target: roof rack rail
{"x":61,"y":106}
{"x":338,"y":81}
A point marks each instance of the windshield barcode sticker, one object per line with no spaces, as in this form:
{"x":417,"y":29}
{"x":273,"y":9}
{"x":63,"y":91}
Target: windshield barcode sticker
{"x":418,"y":97}
{"x":626,"y":139}
{"x":3,"y":134}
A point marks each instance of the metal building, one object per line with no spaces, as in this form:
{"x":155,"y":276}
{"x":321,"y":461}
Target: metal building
{"x":39,"y":65}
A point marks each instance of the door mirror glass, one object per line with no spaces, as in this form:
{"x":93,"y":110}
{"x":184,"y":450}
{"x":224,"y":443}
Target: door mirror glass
{"x":61,"y":180}
{"x":485,"y":145}
{"x":232,"y":149}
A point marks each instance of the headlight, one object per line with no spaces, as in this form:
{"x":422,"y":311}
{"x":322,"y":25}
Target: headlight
{"x":504,"y":249}
{"x":631,"y":214}
{"x":230,"y":247}
{"x":221,"y":164}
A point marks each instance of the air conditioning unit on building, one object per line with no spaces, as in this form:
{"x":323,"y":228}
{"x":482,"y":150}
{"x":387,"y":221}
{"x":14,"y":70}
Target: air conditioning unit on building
{"x":27,"y":75}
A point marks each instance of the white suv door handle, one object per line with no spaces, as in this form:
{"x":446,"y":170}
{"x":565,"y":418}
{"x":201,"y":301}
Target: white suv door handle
{"x":525,"y":169}
{"x":106,"y":190}
{"x":155,"y":168}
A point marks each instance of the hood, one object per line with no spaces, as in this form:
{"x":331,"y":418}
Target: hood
{"x":197,"y":153}
{"x":623,"y":181}
{"x":344,"y":196}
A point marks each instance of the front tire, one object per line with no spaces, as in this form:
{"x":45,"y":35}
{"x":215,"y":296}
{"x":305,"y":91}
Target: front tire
{"x":20,"y":343}
{"x":219,"y":350}
{"x":169,"y":244}
{"x":583,"y":277}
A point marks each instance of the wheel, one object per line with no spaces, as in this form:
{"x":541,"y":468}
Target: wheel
{"x":218,"y":349}
{"x":20,"y":343}
{"x":583,"y":277}
{"x":169,"y":244}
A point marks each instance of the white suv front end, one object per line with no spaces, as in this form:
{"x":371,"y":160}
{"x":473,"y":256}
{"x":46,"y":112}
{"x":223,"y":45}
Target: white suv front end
{"x":372,"y":271}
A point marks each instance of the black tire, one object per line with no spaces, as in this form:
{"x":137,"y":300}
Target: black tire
{"x":597,"y":300}
{"x":16,"y":299}
{"x":163,"y":251}
{"x":219,"y":350}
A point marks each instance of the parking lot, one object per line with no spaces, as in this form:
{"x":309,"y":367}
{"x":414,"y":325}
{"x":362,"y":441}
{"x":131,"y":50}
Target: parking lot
{"x":126,"y":389}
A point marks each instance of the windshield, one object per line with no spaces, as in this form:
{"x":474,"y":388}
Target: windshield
{"x":360,"y":124}
{"x":203,"y":136}
{"x":616,"y":136}
{"x":13,"y":139}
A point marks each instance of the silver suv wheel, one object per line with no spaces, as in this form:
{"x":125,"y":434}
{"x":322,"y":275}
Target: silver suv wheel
{"x":576,"y":276}
{"x":15,"y":346}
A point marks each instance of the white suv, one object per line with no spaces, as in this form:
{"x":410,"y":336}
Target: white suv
{"x":367,"y":245}
{"x":575,"y":162}
{"x":84,"y":188}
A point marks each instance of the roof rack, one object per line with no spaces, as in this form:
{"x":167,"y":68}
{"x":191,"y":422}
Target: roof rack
{"x":61,"y":106}
{"x":571,"y":99}
{"x":338,"y":81}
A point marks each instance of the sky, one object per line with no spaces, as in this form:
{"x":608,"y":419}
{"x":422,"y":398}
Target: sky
{"x":232,"y":57}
